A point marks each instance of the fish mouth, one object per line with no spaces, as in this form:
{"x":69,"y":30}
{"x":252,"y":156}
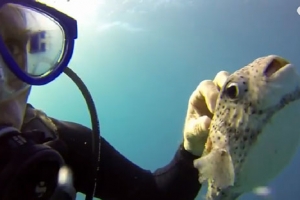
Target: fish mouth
{"x":275,"y":65}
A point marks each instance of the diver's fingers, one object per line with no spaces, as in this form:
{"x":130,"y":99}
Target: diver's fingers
{"x":198,"y":127}
{"x":204,"y":97}
{"x":196,"y":133}
{"x":221,"y":78}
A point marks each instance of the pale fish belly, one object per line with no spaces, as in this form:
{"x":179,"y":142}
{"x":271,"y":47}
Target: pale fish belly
{"x":275,"y":148}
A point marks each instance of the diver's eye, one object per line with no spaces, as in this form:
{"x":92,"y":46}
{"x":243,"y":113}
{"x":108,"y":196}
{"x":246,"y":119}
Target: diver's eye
{"x":232,"y":90}
{"x":14,"y":48}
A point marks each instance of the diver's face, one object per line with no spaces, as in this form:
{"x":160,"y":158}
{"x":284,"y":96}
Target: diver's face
{"x":13,"y":92}
{"x":15,"y":37}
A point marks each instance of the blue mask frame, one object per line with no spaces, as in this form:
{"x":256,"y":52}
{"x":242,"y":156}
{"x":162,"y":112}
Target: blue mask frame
{"x":70,"y":28}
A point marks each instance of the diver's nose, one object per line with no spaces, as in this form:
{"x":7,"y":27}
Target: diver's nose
{"x":276,"y":63}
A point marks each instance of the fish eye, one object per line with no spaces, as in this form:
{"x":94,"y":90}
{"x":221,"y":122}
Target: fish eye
{"x":232,"y":90}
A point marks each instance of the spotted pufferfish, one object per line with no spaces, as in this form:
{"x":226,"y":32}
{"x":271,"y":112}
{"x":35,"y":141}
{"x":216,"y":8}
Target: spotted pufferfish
{"x":255,"y":130}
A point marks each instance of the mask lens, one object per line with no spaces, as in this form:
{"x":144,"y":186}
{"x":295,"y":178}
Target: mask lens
{"x":34,"y":39}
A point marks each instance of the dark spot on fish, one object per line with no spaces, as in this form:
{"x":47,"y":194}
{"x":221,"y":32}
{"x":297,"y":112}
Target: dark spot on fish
{"x":246,"y":90}
{"x":260,"y":112}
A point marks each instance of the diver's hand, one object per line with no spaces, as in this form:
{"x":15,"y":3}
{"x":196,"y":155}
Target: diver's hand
{"x":200,"y":111}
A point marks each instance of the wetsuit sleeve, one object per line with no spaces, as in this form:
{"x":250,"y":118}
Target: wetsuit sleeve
{"x":119,"y":178}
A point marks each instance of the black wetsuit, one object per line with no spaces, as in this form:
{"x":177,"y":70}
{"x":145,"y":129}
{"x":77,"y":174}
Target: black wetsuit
{"x":119,"y":178}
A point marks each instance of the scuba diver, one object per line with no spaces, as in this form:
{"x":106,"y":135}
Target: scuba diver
{"x":44,"y":158}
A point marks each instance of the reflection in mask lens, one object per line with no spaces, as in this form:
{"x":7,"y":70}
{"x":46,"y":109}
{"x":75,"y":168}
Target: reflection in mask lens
{"x":35,"y":40}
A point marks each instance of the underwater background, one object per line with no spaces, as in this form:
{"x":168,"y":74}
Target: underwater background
{"x":142,"y":59}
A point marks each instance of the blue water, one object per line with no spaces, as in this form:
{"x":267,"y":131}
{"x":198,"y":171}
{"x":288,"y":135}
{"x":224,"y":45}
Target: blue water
{"x":142,"y":60}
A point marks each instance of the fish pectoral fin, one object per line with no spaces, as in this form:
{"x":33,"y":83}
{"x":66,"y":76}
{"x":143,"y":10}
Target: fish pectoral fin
{"x":216,"y":166}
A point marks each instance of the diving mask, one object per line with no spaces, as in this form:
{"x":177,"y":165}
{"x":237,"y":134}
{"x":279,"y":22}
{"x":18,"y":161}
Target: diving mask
{"x":36,"y":44}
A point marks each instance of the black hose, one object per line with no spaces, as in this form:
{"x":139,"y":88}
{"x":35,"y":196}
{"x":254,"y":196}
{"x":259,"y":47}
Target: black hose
{"x":96,"y":137}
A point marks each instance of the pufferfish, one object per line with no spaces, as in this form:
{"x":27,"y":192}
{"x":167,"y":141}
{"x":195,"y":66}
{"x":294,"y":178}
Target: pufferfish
{"x":255,"y":130}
